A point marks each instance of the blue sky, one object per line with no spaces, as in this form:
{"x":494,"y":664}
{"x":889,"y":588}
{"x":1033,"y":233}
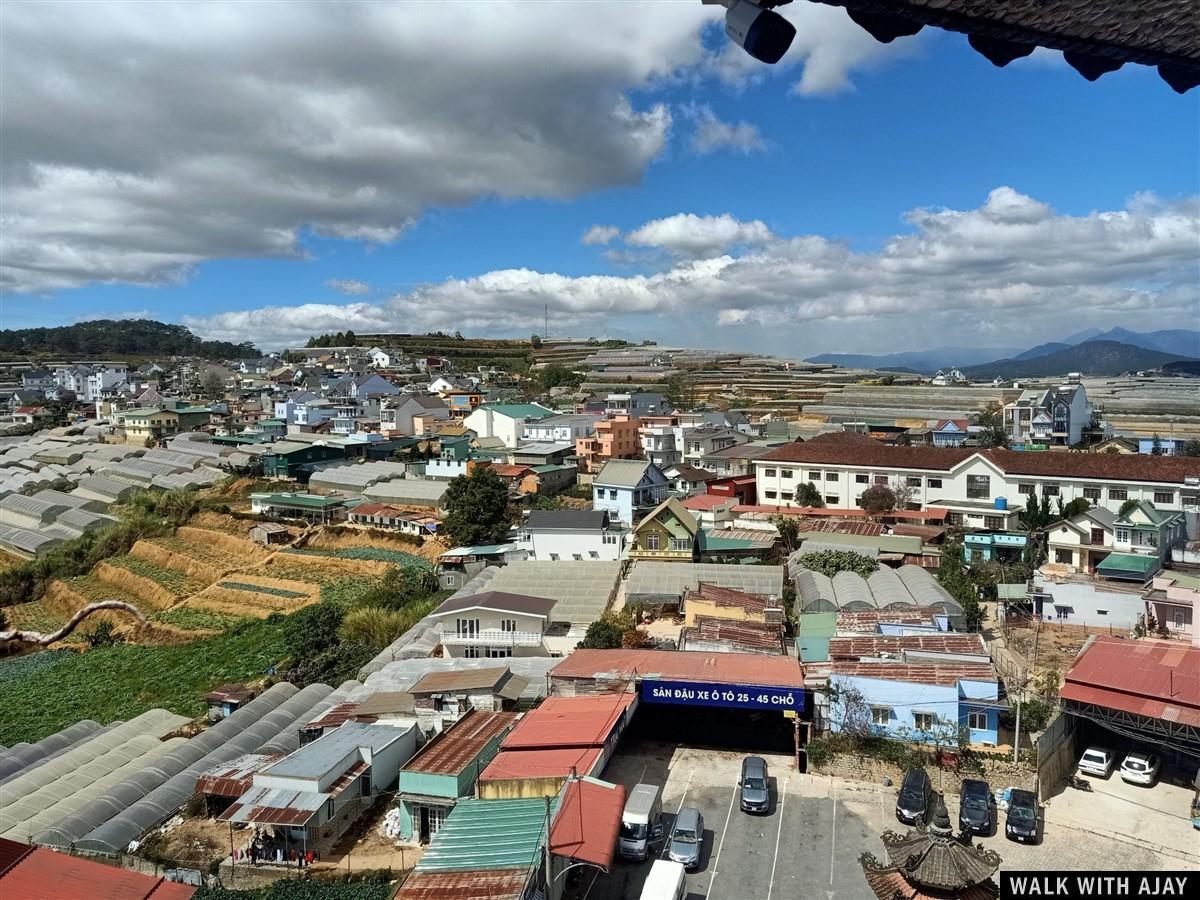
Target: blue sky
{"x":879,"y":131}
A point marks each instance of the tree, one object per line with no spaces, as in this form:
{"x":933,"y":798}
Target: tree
{"x":830,"y":562}
{"x":1074,"y":508}
{"x":992,"y":422}
{"x":1191,"y":448}
{"x":212,"y":386}
{"x":789,"y":532}
{"x":535,"y":342}
{"x":1156,"y":447}
{"x":603,"y":634}
{"x":807,"y":494}
{"x":877,"y":500}
{"x":903,"y":492}
{"x":681,"y":391}
{"x":1126,"y":508}
{"x":476,"y":508}
{"x":952,"y":575}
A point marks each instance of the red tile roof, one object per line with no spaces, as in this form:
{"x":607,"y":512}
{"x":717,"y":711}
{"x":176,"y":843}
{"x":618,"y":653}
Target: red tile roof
{"x":860,"y":450}
{"x":706,"y":501}
{"x":588,"y":819}
{"x":560,"y":763}
{"x":855,"y":648}
{"x":489,"y":884}
{"x":721,"y":668}
{"x":459,"y":745}
{"x":892,"y":885}
{"x":569,"y":722}
{"x":37,"y":874}
{"x":942,"y":674}
{"x":1156,"y":679}
{"x":377,"y":509}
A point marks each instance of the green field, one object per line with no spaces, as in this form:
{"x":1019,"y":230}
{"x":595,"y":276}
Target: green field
{"x":378,"y":554}
{"x":196,"y":619}
{"x":46,"y":692}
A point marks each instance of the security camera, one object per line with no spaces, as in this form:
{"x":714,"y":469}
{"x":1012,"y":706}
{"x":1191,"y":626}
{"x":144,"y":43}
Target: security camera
{"x":760,"y":31}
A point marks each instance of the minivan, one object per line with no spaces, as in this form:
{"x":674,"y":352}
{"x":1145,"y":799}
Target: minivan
{"x":687,"y":837}
{"x":640,"y":822}
{"x":1021,"y":823}
{"x":666,"y":881}
{"x":912,"y":806}
{"x":753,"y":785}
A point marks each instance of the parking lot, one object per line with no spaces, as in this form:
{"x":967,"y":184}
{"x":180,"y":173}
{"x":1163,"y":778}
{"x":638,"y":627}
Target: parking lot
{"x":809,"y":843}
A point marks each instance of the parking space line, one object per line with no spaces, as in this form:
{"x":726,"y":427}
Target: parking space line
{"x":778,"y":835}
{"x":683,"y":799}
{"x":721,"y":843}
{"x":833,"y":828}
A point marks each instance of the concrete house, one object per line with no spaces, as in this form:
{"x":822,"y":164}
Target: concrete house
{"x":1083,"y":541}
{"x":1054,"y":416}
{"x":552,"y":534}
{"x":949,"y":432}
{"x":1173,"y":602}
{"x":615,"y":438}
{"x":449,"y":695}
{"x":697,"y":444}
{"x":625,"y":488}
{"x":494,"y":625}
{"x":668,"y":532}
{"x":396,"y":415}
{"x":505,"y":421}
{"x":556,"y":429}
{"x":1142,"y":542}
{"x":445,"y":769}
{"x":659,"y":437}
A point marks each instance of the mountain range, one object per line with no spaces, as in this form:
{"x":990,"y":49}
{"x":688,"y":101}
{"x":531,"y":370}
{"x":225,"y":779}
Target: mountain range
{"x":1091,"y":351}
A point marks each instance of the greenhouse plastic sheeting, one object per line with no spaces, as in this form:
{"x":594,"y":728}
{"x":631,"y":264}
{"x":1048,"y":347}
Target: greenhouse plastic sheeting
{"x":23,"y":756}
{"x":287,"y":739}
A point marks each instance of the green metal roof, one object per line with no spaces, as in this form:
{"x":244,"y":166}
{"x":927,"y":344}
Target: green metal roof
{"x":712,"y":540}
{"x":519,"y":410}
{"x":488,"y":834}
{"x":310,"y":500}
{"x":1128,"y":562}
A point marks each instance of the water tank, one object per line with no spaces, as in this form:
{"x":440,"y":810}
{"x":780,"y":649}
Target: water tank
{"x":1001,"y":503}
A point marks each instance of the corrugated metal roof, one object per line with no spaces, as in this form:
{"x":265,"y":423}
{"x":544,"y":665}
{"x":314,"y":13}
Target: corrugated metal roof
{"x":744,"y":634}
{"x":46,"y":875}
{"x":460,"y":682}
{"x":232,"y":779}
{"x":588,"y":819}
{"x":459,"y":745}
{"x":1156,"y":679}
{"x":315,"y":759}
{"x":561,"y":762}
{"x":721,"y":668}
{"x":491,"y":884}
{"x":854,"y":648}
{"x":941,"y":674}
{"x":569,"y":722}
{"x":487,"y":834}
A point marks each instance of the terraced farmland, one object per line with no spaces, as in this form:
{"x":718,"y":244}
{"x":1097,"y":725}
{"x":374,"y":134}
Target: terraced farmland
{"x":252,"y":595}
{"x":319,"y":568}
{"x":178,"y":584}
{"x":376,"y":554}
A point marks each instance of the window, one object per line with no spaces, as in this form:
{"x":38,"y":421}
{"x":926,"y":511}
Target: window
{"x":653,"y":541}
{"x":785,"y":473}
{"x":610,"y":538}
{"x":769,"y":473}
{"x":924,"y":721}
{"x":1098,"y":536}
{"x":953,"y":518}
{"x":880,"y":715}
{"x":881,"y":479}
{"x":1179,"y":617}
{"x":913,"y":481}
{"x":771,"y":495}
{"x":814,"y":476}
{"x":681,"y":544}
{"x":1050,"y":490}
{"x":1102,"y":612}
{"x":933,"y":482}
{"x":499,"y":652}
{"x":832,"y":500}
{"x":577,"y":556}
{"x":1062,"y":556}
{"x":831,"y":476}
{"x":364,"y":784}
{"x":1149,"y":538}
{"x":470,"y":652}
{"x":1165,"y":497}
{"x":554,"y":557}
{"x":785,"y":495}
{"x":1118,"y":494}
{"x":977,"y":719}
{"x":1122,"y":536}
{"x":508,"y":625}
{"x":861,"y":479}
{"x":979,"y":487}
{"x":1024,"y":488}
{"x":592,"y":554}
{"x":468,"y":628}
{"x":996,"y":523}
{"x":1091,"y":493}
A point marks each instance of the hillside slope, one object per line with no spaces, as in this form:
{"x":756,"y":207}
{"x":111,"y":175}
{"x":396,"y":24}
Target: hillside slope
{"x":1090,"y":358}
{"x":118,"y":338}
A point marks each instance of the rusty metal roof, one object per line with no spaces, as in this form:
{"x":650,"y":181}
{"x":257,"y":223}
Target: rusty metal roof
{"x":569,"y":722}
{"x":232,"y":779}
{"x":333,"y":717}
{"x":587,"y":821}
{"x":721,"y":668}
{"x":728,"y":597}
{"x":744,"y":634}
{"x":938,"y":673}
{"x":855,"y":648}
{"x":459,"y":745}
{"x":486,"y":884}
{"x":867,"y":621}
{"x":1156,"y":679}
{"x":274,"y":806}
{"x":462,"y":681}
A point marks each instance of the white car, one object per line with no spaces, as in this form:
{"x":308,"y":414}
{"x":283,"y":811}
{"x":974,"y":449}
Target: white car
{"x":1097,"y":761}
{"x":1140,"y":768}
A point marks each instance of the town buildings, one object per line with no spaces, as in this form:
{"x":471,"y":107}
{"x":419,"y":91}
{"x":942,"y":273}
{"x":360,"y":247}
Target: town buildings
{"x":572,"y":534}
{"x":1053,"y":417}
{"x":615,"y":438}
{"x":626,"y":488}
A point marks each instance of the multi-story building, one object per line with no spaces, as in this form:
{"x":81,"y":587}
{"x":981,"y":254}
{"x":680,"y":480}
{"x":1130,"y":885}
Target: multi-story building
{"x":396,"y":415}
{"x":659,"y":439}
{"x":980,"y":487}
{"x":552,"y":534}
{"x":563,"y":427}
{"x":505,"y":421}
{"x":698,"y":443}
{"x":627,"y":488}
{"x":494,"y":625}
{"x":1054,"y":416}
{"x":636,"y":404}
{"x":615,"y":438}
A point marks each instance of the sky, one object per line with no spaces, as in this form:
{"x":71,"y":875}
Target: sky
{"x":269,"y":171}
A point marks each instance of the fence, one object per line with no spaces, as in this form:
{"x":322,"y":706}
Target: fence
{"x":1055,"y":754}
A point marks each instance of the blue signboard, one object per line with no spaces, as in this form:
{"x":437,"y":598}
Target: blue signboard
{"x":733,"y":696}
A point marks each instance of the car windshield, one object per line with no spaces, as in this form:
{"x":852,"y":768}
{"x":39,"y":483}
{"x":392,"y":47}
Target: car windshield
{"x":755,"y":784}
{"x":1020,"y":812}
{"x":912,"y":796}
{"x":974,"y":803}
{"x":686,"y":835}
{"x":633,"y":832}
{"x":1092,"y":756}
{"x":1136,"y":764}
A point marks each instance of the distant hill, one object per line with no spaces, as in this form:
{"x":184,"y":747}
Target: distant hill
{"x":924,"y":362}
{"x":1175,"y":340}
{"x":1093,"y":357}
{"x":119,"y":338}
{"x":1042,"y":350}
{"x":1080,"y":336}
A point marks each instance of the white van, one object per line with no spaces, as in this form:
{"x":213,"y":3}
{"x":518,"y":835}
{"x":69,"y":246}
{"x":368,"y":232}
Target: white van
{"x":666,"y":881}
{"x":640,"y":822}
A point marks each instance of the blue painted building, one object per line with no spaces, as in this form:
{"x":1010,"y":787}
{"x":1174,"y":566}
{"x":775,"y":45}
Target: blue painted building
{"x":1168,"y":446}
{"x":1003,"y":545}
{"x":949,"y":432}
{"x":626,"y":489}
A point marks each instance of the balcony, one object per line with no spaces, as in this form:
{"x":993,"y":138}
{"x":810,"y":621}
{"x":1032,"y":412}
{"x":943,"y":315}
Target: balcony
{"x":639,"y":553}
{"x":493,"y":637}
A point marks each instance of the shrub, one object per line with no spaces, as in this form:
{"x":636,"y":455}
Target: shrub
{"x":830,"y":562}
{"x":103,"y":635}
{"x":374,"y":626}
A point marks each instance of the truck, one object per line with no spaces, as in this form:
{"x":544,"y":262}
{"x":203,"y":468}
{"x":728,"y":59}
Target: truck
{"x":640,"y":822}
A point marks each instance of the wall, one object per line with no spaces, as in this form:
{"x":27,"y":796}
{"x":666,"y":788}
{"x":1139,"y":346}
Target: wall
{"x":906,"y":698}
{"x":568,"y":543}
{"x":1093,"y":607}
{"x":999,"y":772}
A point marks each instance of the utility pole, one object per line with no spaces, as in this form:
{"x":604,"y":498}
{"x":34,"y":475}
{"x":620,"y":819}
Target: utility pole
{"x":1017,"y":738}
{"x":546,"y":848}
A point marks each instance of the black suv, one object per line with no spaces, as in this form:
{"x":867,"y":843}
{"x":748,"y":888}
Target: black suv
{"x":912,"y":806}
{"x":975,"y":807}
{"x":1022,"y":821}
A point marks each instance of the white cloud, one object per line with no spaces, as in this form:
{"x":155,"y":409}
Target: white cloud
{"x":1011,"y":268}
{"x":687,"y":234}
{"x":349,"y":286}
{"x":599,"y":235}
{"x":713,"y":134}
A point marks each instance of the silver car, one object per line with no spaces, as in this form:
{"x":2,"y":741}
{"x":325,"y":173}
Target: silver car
{"x":687,"y":837}
{"x":756,"y":797}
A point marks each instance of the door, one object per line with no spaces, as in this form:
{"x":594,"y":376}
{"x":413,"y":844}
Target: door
{"x":424,"y":833}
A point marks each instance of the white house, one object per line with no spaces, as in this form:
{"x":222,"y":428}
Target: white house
{"x":551,"y":534}
{"x":1081,"y":541}
{"x":397,"y":414}
{"x":386,"y":357}
{"x":559,"y":428}
{"x":980,"y":487}
{"x":1054,"y":416}
{"x":494,"y":625}
{"x":626,"y":487}
{"x":505,"y":421}
{"x":285,"y":409}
